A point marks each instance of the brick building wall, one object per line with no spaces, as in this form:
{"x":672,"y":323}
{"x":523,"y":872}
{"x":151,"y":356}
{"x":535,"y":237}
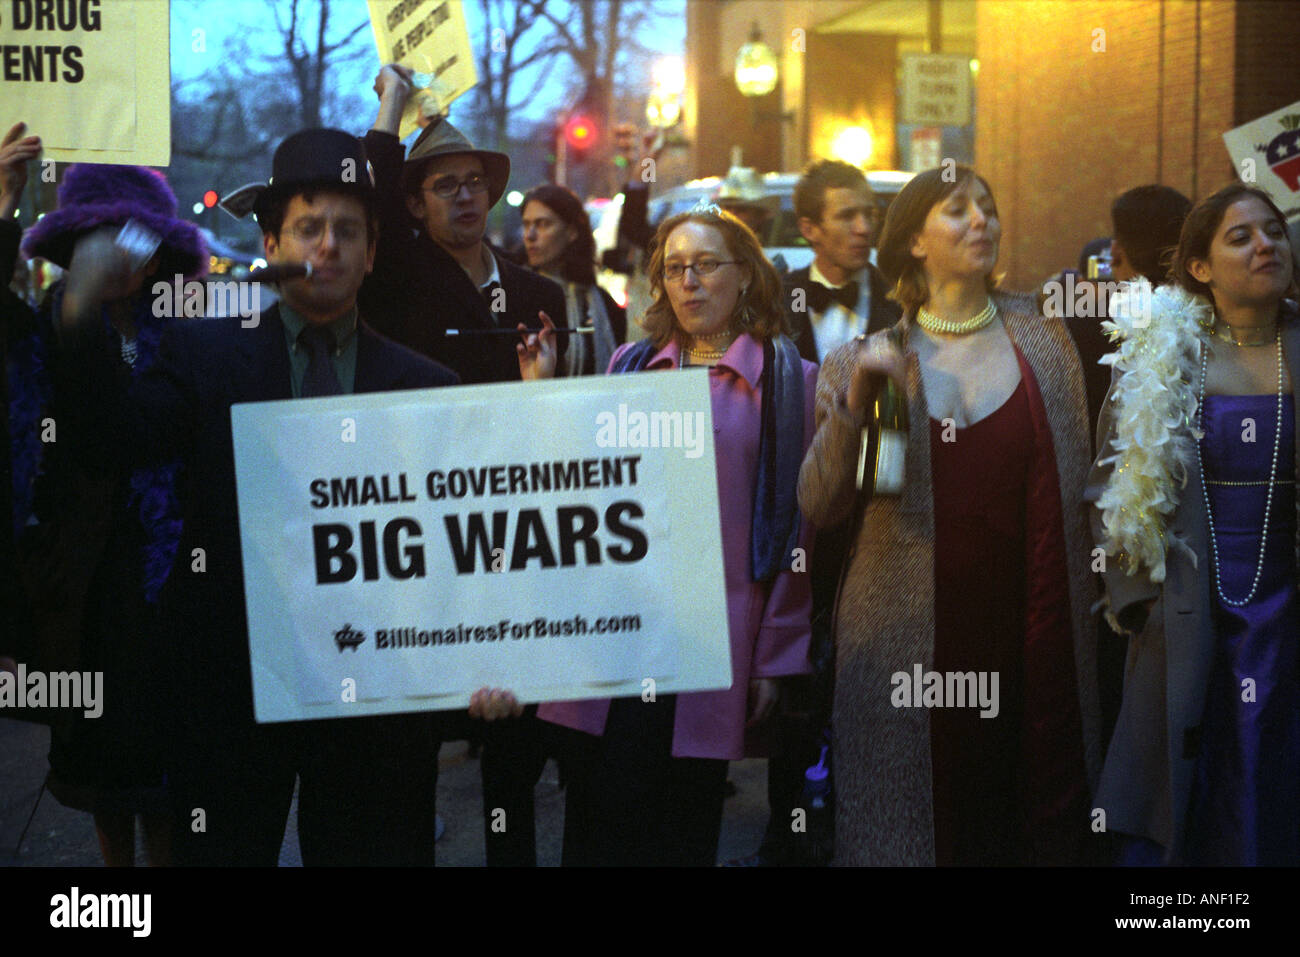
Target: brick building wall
{"x":1268,"y":58}
{"x":1064,"y":125}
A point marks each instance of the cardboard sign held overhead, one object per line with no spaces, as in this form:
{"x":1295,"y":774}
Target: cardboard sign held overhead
{"x":429,"y":36}
{"x":1266,"y":153}
{"x":92,"y":78}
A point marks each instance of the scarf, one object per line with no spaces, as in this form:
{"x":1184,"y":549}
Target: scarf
{"x":774,"y":529}
{"x":600,"y":341}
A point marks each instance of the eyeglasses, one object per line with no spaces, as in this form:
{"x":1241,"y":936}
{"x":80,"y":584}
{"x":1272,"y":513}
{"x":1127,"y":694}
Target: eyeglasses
{"x":312,"y":230}
{"x":448,"y":187}
{"x":705,"y":267}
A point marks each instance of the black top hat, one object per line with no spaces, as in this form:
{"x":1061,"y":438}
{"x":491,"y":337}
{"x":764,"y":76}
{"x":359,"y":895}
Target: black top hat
{"x":313,"y":158}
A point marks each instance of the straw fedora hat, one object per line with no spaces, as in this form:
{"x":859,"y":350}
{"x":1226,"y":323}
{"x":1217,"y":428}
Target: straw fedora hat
{"x":440,"y":138}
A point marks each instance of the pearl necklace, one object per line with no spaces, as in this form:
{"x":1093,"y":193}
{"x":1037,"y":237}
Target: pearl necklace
{"x":702,"y":358}
{"x":711,"y":355}
{"x":1272,"y":481}
{"x":932,"y":323}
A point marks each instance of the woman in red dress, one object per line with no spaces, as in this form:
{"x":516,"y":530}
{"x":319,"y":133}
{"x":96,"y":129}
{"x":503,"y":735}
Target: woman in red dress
{"x":965,"y":717}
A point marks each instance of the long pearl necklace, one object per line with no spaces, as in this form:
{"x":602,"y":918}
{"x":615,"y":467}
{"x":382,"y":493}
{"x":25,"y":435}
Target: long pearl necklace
{"x":932,"y":323}
{"x":1272,"y":481}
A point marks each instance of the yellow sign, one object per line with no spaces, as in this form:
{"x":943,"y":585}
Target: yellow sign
{"x":431,"y":38}
{"x":91,"y":77}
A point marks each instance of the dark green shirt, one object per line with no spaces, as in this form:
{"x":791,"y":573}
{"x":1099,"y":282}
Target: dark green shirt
{"x":345,"y":348}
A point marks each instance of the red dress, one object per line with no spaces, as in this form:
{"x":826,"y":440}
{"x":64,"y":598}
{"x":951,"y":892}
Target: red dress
{"x":1003,"y":785}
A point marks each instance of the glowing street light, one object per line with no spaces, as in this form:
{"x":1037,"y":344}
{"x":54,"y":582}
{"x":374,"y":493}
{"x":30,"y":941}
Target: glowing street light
{"x":662,"y":109}
{"x":669,"y":75}
{"x":756,"y":66}
{"x":853,"y":145}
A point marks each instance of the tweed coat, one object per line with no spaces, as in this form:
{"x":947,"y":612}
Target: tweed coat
{"x":1146,"y":782}
{"x":885,"y":617}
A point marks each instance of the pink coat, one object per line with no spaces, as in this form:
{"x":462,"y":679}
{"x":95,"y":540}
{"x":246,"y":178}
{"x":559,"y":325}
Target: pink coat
{"x":768,"y":624}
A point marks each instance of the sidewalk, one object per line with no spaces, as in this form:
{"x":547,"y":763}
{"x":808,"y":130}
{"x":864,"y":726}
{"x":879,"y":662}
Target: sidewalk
{"x":59,"y":837}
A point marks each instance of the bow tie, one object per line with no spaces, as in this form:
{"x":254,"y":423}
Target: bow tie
{"x":820,"y":297}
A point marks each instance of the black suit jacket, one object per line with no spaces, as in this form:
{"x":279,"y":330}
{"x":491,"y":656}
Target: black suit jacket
{"x":418,"y":291}
{"x":884,"y":311}
{"x":180,"y":410}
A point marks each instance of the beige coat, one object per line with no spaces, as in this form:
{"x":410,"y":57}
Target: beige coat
{"x":885,"y":617}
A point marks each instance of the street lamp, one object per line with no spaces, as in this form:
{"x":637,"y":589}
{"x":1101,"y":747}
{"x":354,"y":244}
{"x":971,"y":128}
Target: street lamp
{"x":756,"y":66}
{"x":663,"y":109}
{"x":756,"y":75}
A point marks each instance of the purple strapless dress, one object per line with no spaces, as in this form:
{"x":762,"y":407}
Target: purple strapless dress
{"x":1245,"y":805}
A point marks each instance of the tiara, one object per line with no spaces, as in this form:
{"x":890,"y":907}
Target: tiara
{"x":707,"y":208}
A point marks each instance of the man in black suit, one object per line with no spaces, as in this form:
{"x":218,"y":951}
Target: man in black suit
{"x":367,"y":784}
{"x":840,"y":294}
{"x":435,"y":272}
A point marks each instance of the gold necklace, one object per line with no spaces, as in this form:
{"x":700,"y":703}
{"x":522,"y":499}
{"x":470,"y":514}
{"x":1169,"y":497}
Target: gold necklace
{"x":932,"y":323}
{"x":1224,"y":333}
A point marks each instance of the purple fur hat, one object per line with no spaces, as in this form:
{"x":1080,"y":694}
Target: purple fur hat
{"x":94,"y":195}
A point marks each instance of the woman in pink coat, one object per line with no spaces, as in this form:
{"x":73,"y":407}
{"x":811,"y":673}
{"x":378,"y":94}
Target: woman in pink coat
{"x":646,"y":778}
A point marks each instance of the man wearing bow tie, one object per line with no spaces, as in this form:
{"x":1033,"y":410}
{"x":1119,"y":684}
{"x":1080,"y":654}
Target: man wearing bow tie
{"x":839,"y":295}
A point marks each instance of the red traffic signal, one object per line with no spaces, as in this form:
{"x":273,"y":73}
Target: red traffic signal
{"x":580,"y":132}
{"x":210,"y":198}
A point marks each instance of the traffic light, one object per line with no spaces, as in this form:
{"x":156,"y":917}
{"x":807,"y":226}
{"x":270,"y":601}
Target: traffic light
{"x":581,"y":134}
{"x":210,"y":198}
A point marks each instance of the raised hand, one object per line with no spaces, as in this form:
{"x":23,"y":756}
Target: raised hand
{"x":16,"y":151}
{"x":100,"y":271}
{"x":393,"y":84}
{"x":395,"y":79}
{"x":878,"y":355}
{"x":537,"y":351}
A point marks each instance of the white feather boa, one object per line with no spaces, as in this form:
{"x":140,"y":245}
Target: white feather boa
{"x":1154,"y":409}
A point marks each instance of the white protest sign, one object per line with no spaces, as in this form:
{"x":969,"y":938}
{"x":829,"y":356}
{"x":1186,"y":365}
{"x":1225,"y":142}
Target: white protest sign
{"x":1266,"y":153}
{"x":85,"y":75}
{"x":429,"y":36}
{"x":403,"y":549}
